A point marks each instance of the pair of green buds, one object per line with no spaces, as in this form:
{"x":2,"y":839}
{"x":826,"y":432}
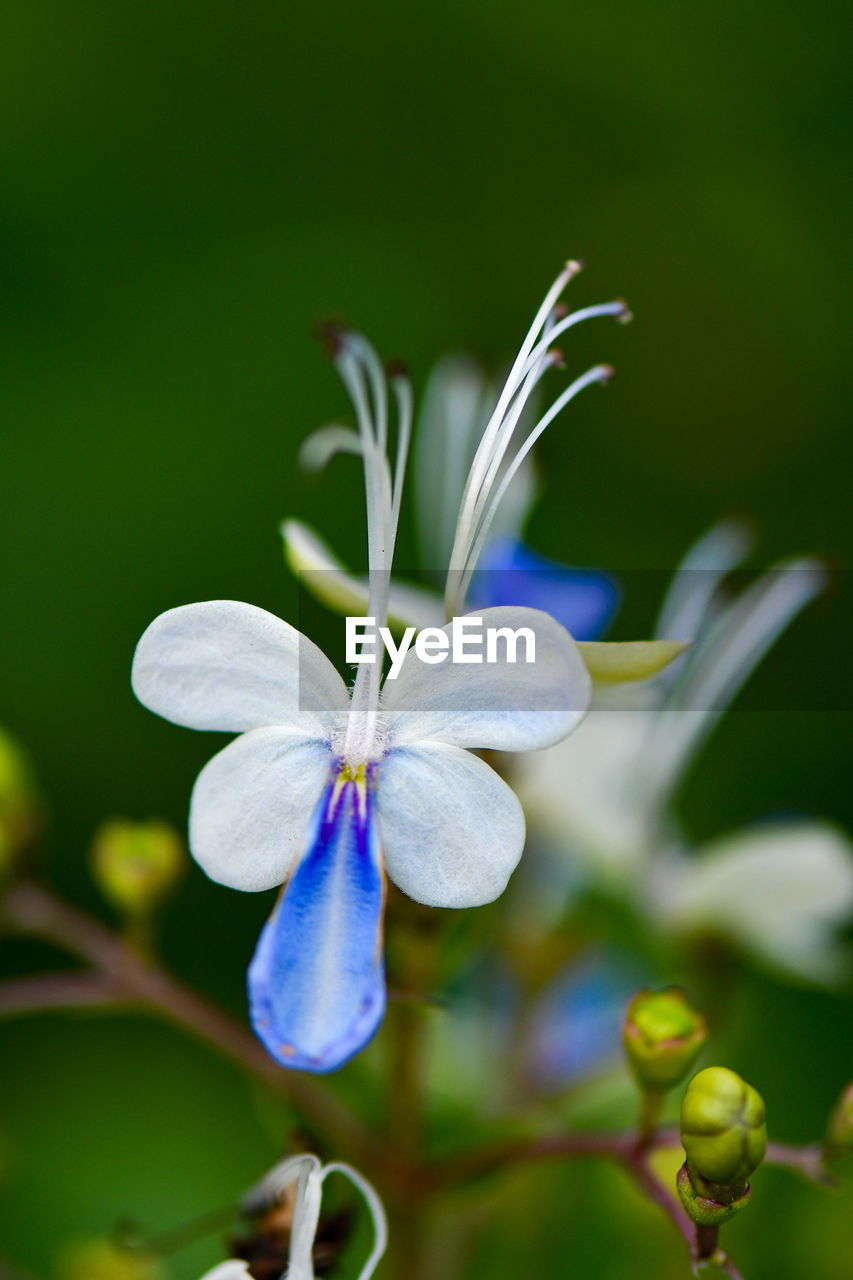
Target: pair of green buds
{"x":723,"y":1129}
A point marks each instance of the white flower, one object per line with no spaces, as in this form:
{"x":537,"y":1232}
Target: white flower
{"x":306,"y":1175}
{"x":326,"y":790}
{"x":605,"y":797}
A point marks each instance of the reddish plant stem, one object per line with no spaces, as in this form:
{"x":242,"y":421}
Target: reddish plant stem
{"x":619,"y":1147}
{"x":121,"y":977}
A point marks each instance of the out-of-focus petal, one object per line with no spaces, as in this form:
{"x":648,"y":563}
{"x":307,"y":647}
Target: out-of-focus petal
{"x":316,"y":981}
{"x":227,"y":665}
{"x":687,"y":604}
{"x":452,"y":830}
{"x":780,"y":891}
{"x":324,"y":575}
{"x":509,"y":573}
{"x":724,"y":659}
{"x":587,"y":797}
{"x":507,"y":705}
{"x":251,"y":806}
{"x":625,"y":661}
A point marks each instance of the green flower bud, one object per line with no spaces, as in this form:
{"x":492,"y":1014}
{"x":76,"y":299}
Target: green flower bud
{"x":723,"y":1128}
{"x":706,"y":1210}
{"x":840,"y":1133}
{"x":19,"y":802}
{"x":136,"y":863}
{"x":663,"y":1035}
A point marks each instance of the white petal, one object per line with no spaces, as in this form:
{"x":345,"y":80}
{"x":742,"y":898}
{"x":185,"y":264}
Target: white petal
{"x":251,"y":806}
{"x":587,"y":796}
{"x":509,"y":706}
{"x":452,"y":830}
{"x":779,"y":890}
{"x":230,"y":666}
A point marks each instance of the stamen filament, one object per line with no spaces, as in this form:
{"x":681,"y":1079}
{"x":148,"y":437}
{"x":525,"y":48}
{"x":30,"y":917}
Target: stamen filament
{"x":359,"y":368}
{"x":489,"y":477}
{"x":619,"y":308}
{"x":514,"y":378}
{"x":598,"y":373}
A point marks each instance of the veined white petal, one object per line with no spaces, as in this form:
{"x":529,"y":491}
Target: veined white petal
{"x":452,"y":830}
{"x":778,"y":890}
{"x":508,"y":705}
{"x":325,"y":576}
{"x":227,"y":665}
{"x":252,"y":804}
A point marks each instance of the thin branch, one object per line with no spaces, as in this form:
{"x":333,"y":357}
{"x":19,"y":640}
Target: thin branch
{"x":29,"y":909}
{"x":49,"y":991}
{"x":725,"y":1263}
{"x":808,"y":1161}
{"x":8,"y":1272}
{"x":620,"y":1147}
{"x":664,"y":1200}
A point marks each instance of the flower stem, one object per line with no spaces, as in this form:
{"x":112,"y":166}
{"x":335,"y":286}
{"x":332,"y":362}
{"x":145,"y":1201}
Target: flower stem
{"x":706,"y":1242}
{"x":120,"y":976}
{"x":412,"y":955}
{"x":651,"y":1108}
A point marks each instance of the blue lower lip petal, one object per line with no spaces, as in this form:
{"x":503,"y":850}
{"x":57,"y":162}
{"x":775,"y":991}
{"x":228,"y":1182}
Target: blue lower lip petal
{"x":582,"y":600}
{"x":316,"y":981}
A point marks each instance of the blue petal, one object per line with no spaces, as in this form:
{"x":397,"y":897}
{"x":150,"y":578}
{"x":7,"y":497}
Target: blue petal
{"x":316,"y":981}
{"x":582,"y":600}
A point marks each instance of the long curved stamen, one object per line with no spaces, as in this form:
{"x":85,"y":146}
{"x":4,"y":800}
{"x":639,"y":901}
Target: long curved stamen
{"x":540,"y":321}
{"x":361,"y":372}
{"x":377,"y":1213}
{"x":309,"y":1175}
{"x":601,"y":373}
{"x":490,"y":475}
{"x":618,"y":308}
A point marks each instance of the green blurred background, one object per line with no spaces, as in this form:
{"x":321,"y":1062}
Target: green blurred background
{"x":186,"y":189}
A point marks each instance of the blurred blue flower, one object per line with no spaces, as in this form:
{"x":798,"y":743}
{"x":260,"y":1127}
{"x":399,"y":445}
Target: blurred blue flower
{"x":582,"y":600}
{"x":576,"y":1022}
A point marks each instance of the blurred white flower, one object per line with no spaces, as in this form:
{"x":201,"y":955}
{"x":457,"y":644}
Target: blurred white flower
{"x":604,"y":798}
